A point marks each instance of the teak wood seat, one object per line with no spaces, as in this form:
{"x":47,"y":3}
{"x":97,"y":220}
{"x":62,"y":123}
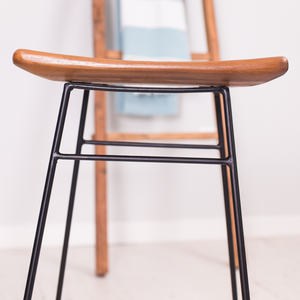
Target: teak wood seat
{"x":58,"y":67}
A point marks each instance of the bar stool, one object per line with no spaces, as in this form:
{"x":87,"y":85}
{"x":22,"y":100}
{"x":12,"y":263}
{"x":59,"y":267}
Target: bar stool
{"x":107,"y":75}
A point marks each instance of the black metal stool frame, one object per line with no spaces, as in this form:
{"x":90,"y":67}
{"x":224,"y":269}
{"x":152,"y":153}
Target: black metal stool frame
{"x":225,"y":162}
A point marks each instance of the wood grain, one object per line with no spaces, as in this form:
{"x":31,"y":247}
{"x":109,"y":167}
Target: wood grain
{"x":100,"y":132}
{"x":217,"y":73}
{"x":211,"y":30}
{"x":233,"y":227}
{"x":200,"y":56}
{"x":116,"y":136}
{"x":113,"y":54}
{"x":213,"y":50}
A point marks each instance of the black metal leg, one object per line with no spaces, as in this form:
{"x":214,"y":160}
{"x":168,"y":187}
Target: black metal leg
{"x":226,"y":196}
{"x":224,"y":161}
{"x":46,"y":195}
{"x":236,"y":196}
{"x":80,"y":142}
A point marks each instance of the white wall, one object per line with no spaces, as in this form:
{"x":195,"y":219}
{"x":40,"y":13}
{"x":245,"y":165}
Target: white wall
{"x":146,"y":201}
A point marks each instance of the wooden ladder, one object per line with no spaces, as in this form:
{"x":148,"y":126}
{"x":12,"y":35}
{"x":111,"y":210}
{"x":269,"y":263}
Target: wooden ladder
{"x":101,"y":133}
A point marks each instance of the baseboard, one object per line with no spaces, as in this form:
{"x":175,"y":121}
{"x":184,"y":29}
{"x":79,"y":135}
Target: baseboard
{"x":152,"y":231}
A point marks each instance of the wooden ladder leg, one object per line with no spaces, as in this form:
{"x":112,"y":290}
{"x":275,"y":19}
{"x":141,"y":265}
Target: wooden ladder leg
{"x":236,"y":259}
{"x":213,"y":50}
{"x":101,"y":206}
{"x":100,"y":134}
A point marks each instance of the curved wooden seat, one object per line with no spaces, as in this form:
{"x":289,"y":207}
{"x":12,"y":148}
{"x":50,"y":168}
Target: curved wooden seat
{"x":214,"y":73}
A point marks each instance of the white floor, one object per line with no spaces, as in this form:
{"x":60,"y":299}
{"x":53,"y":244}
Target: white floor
{"x":197,"y":270}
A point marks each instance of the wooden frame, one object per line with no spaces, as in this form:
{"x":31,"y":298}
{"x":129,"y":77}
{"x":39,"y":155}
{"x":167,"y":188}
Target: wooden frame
{"x":100,"y":51}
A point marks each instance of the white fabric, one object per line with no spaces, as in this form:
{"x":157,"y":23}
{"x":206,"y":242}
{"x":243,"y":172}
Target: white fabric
{"x":148,"y":14}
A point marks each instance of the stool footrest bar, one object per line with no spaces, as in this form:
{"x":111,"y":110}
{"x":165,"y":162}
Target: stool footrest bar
{"x":154,"y":145}
{"x":158,"y":159}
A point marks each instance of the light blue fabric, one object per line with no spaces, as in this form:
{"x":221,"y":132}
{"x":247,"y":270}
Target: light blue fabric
{"x":118,"y":35}
{"x":157,"y":44}
{"x":147,"y":105}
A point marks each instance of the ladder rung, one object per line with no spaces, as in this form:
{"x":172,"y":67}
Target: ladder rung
{"x":115,"y":136}
{"x":115,"y":54}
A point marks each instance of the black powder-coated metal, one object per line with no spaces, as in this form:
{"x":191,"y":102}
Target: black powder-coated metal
{"x":236,"y":196}
{"x":157,"y":159}
{"x":80,"y":143}
{"x":226,"y":161}
{"x":47,"y":192}
{"x":135,"y":89}
{"x":152,"y":145}
{"x":226,"y":195}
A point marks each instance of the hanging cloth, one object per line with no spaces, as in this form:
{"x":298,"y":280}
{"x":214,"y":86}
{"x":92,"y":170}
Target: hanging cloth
{"x":151,"y":30}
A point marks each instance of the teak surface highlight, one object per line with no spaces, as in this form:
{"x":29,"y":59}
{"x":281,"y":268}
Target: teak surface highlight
{"x":200,"y":73}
